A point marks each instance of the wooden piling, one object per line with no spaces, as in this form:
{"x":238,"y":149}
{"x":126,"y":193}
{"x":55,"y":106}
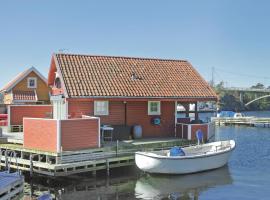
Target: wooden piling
{"x":6,"y":159}
{"x":117,"y":143}
{"x":94,"y":172}
{"x":108,"y":167}
{"x":31,"y":165}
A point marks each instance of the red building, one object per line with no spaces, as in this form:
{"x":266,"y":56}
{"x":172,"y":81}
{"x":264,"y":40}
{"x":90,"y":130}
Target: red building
{"x":123,"y":92}
{"x":127,"y":91}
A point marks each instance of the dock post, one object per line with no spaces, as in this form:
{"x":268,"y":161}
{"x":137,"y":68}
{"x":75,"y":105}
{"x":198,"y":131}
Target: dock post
{"x":31,"y":165}
{"x":94,"y":172}
{"x":6,"y":159}
{"x":117,"y":143}
{"x":108,"y":167}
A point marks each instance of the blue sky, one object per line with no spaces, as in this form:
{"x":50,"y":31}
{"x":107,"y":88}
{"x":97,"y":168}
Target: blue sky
{"x":232,"y":36}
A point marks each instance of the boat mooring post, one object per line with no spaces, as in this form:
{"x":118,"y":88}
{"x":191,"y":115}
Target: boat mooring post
{"x":31,"y":165}
{"x":117,"y":146}
{"x":6,"y":159}
{"x":108,"y":167}
{"x":94,"y":172}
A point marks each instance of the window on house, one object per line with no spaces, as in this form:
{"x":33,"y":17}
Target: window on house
{"x":32,"y":82}
{"x":153,"y":107}
{"x":101,"y":108}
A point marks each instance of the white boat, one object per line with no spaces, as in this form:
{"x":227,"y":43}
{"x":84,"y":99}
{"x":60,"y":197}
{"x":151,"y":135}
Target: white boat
{"x":196,"y":159}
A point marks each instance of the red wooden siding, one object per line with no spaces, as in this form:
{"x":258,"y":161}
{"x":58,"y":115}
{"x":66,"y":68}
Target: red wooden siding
{"x":193,"y":130}
{"x":40,"y":134}
{"x":79,"y":134}
{"x":137,"y":113}
{"x":76,"y":109}
{"x":17,"y":113}
{"x":179,"y":132}
{"x":3,"y":119}
{"x":75,"y":134}
{"x":204,"y":129}
{"x":116,"y":111}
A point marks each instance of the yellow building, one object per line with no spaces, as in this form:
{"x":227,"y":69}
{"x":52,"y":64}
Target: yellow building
{"x":28,"y":87}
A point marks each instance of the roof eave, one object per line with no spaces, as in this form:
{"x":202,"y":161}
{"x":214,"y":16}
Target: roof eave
{"x":24,"y":101}
{"x":214,"y":98}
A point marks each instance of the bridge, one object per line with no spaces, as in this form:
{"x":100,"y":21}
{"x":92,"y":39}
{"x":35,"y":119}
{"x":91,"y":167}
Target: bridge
{"x":265,"y":93}
{"x":241,"y":89}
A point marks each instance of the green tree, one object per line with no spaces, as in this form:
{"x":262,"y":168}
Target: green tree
{"x":258,"y":86}
{"x":230,"y":102}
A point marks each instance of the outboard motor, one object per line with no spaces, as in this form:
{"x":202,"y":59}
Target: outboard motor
{"x":199,"y":136}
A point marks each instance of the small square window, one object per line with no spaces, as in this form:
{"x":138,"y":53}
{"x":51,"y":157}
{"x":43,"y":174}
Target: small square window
{"x":32,"y":82}
{"x":153,"y":107}
{"x":101,"y":108}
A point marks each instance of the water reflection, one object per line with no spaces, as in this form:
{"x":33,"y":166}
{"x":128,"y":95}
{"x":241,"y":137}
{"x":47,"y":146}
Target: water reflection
{"x":120,"y":185}
{"x":130,"y":184}
{"x":181,"y":187}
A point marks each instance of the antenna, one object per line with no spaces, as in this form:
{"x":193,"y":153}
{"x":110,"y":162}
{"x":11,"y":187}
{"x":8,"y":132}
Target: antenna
{"x":62,"y":50}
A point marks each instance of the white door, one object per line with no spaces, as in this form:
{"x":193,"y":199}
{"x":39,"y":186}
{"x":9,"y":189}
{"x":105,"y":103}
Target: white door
{"x":59,"y":107}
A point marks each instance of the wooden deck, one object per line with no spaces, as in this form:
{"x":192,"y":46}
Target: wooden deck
{"x":112,"y":155}
{"x":11,"y":185}
{"x":244,"y":121}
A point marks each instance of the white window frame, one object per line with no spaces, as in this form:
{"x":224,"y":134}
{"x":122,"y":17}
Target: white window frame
{"x":28,"y":82}
{"x":98,"y":113}
{"x":158,"y":112}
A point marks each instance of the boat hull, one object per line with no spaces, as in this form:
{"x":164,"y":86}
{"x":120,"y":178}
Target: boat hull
{"x":181,"y":165}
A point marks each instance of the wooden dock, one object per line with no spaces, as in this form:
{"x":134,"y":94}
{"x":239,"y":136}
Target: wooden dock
{"x":244,"y":121}
{"x":112,"y":155}
{"x":11,"y":185}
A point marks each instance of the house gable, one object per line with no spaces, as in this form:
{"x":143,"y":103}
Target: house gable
{"x":19,"y":88}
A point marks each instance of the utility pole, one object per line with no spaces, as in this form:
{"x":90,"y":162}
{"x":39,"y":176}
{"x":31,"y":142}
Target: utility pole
{"x":213,"y":78}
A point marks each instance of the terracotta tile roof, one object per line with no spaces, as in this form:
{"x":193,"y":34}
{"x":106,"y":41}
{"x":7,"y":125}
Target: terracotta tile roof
{"x":24,"y":96}
{"x":108,"y":76}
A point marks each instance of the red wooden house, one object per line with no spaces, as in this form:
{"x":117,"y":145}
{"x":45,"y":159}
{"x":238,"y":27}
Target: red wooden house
{"x":127,"y":91}
{"x":121,"y":92}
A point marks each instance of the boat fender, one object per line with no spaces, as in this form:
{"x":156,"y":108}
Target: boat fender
{"x":177,"y":151}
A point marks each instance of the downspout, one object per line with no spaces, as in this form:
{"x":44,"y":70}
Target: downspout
{"x":58,"y":136}
{"x":125,"y":103}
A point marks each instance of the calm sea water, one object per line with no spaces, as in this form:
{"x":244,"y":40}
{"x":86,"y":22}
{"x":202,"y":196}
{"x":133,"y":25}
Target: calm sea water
{"x":247,"y":176}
